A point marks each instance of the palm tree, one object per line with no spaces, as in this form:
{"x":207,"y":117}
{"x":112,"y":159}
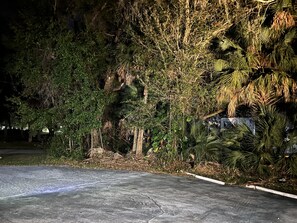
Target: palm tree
{"x":207,"y":145}
{"x":256,"y":61}
{"x":263,"y":152}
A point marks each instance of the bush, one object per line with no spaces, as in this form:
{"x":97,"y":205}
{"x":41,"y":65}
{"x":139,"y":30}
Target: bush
{"x":206,"y":144}
{"x":58,"y":149}
{"x":263,"y":153}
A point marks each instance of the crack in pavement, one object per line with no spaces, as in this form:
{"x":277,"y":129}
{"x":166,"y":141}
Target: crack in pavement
{"x":158,"y":205}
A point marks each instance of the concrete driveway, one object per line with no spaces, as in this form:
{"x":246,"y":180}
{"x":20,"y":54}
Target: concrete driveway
{"x":58,"y":194}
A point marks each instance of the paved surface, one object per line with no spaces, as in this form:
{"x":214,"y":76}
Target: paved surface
{"x":54,"y":195}
{"x":20,"y":151}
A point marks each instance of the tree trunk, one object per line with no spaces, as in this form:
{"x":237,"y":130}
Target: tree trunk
{"x":30,"y":139}
{"x":94,"y":138}
{"x":135,"y":136}
{"x":139,"y":142}
{"x":101,"y":138}
{"x":139,"y":145}
{"x":70,"y":144}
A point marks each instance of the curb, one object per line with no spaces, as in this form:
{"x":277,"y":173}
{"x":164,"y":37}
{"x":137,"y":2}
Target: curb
{"x":293,"y":196}
{"x":206,"y":178}
{"x":272,"y":191}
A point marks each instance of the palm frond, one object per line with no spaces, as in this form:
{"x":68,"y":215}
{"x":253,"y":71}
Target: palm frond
{"x":221,"y":65}
{"x":282,"y":20}
{"x":265,"y":35}
{"x":207,"y":145}
{"x":233,"y":103}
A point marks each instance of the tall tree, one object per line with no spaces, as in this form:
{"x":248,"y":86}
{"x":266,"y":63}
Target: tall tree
{"x":256,"y":58}
{"x":60,"y":69}
{"x":171,"y":59}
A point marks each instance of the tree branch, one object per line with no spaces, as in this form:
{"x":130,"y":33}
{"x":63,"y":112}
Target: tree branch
{"x":213,"y":114}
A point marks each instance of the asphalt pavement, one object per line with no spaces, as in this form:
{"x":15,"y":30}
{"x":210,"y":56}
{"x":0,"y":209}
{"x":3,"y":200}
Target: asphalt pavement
{"x":4,"y":152}
{"x":69,"y":195}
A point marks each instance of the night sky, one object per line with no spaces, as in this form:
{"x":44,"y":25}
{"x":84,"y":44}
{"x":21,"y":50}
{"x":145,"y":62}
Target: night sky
{"x":8,"y":12}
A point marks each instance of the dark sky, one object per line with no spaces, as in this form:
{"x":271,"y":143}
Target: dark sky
{"x":8,"y":9}
{"x":8,"y":12}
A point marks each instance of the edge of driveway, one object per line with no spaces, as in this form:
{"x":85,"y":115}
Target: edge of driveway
{"x":254,"y":187}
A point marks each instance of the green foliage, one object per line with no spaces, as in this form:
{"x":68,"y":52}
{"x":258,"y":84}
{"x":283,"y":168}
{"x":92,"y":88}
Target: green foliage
{"x":60,"y":72}
{"x":168,"y":54}
{"x":58,"y":148}
{"x":163,"y":147}
{"x":287,"y":165}
{"x":264,"y":152}
{"x":173,"y":61}
{"x":207,"y":145}
{"x":193,"y":57}
{"x":271,"y":129}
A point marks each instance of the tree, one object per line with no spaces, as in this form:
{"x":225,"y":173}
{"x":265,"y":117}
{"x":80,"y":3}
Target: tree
{"x":170,"y":53}
{"x":256,"y":61}
{"x":60,"y":72}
